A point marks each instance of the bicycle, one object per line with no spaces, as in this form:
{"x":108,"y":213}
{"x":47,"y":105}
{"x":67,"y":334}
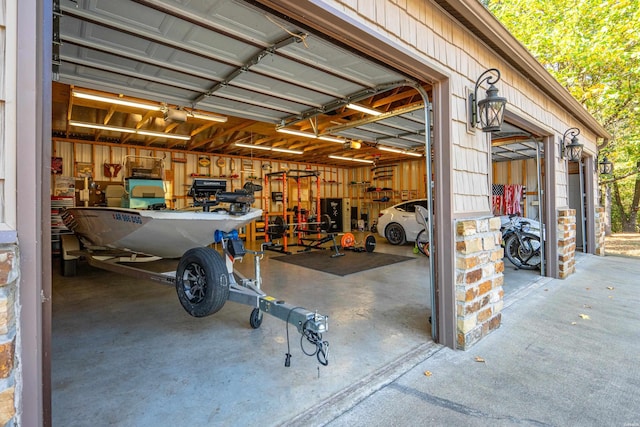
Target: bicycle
{"x":422,"y":239}
{"x":521,"y":246}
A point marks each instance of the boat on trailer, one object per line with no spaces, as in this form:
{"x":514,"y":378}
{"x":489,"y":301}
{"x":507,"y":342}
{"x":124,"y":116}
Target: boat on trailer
{"x":119,"y":239}
{"x":142,"y":224}
{"x":163,"y":233}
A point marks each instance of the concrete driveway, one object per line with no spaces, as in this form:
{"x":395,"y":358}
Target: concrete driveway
{"x":565,"y":355}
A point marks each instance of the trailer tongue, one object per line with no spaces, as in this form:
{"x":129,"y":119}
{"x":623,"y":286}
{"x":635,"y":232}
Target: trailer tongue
{"x":204,"y":282}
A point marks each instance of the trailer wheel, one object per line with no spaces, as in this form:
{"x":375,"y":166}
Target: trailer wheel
{"x":202,"y":282}
{"x":255,"y":320}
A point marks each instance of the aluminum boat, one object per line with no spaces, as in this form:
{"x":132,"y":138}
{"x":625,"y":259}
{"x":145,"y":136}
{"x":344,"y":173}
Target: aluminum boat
{"x":163,"y":233}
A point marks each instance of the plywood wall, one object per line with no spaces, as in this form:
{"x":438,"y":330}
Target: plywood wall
{"x":392,"y":183}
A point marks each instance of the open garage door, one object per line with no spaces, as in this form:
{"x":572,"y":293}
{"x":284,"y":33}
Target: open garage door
{"x":263,"y":77}
{"x":229,"y":77}
{"x":517,"y":158}
{"x":234,"y":78}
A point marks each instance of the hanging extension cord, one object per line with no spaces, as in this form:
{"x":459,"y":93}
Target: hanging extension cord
{"x":287,"y":356}
{"x":321,"y":347}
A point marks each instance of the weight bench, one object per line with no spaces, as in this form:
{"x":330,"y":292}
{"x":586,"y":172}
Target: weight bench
{"x":317,"y":244}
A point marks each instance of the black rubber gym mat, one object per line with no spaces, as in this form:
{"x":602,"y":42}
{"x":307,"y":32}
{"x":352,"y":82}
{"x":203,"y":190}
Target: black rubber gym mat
{"x":351,"y":262}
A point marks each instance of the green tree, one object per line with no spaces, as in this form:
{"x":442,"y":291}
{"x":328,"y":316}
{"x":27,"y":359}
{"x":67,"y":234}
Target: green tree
{"x":592,"y":47}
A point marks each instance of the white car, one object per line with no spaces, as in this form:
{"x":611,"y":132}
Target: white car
{"x":398,"y":223}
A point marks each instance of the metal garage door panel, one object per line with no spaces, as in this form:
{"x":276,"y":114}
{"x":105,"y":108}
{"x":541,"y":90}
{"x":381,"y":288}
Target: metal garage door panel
{"x":231,"y":101}
{"x":145,"y":34}
{"x":132,"y":68}
{"x":283,"y":90}
{"x":513,"y":143}
{"x":111,"y":41}
{"x":403,"y":131}
{"x":216,"y":45}
{"x":306,"y":76}
{"x":100,"y":79}
{"x":132,"y":13}
{"x":236,"y":18}
{"x":365,"y":135}
{"x":396,"y":125}
{"x":200,"y":40}
{"x":140,"y":41}
{"x":227,"y":57}
{"x":342,"y":62}
{"x":240,"y":109}
{"x":251,"y":97}
{"x":100,"y":37}
{"x":514,"y":151}
{"x":359,"y":134}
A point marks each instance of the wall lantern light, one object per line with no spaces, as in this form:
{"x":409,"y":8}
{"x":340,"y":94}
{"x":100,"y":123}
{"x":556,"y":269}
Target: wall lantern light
{"x":489,"y":112}
{"x":572,"y":151}
{"x":606,"y":167}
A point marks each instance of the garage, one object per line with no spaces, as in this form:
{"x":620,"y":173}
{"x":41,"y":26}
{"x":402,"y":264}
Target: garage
{"x":237,"y":93}
{"x":246,"y":92}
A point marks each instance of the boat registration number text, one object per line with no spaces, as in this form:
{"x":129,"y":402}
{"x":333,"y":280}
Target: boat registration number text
{"x":135,"y":219}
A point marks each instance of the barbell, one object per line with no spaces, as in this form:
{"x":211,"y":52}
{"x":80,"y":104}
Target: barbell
{"x":279,"y":226}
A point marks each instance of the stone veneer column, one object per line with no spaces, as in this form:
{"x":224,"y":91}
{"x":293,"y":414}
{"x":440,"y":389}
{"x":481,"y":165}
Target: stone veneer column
{"x":9,"y":273}
{"x":601,"y":223}
{"x":566,"y":242}
{"x":479,"y":279}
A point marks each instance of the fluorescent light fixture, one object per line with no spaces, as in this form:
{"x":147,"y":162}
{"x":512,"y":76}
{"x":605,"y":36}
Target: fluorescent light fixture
{"x":267,"y":148}
{"x":257,"y":147}
{"x":396,"y":150}
{"x":129,"y":130}
{"x":142,"y":105}
{"x":351,"y":159}
{"x":364,"y":109}
{"x":286,"y":150}
{"x":163,"y":135}
{"x":118,"y":101}
{"x":296,"y":132}
{"x":332,"y":139}
{"x":102,"y":127}
{"x":220,"y":119}
{"x":311,"y":135}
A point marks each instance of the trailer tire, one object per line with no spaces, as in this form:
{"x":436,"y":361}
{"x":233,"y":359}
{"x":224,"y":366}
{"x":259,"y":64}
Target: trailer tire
{"x":202,"y":282}
{"x":255,"y":320}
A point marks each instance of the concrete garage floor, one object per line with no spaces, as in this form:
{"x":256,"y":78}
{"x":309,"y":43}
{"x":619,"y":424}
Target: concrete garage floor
{"x":518,"y":281}
{"x":124,"y":352}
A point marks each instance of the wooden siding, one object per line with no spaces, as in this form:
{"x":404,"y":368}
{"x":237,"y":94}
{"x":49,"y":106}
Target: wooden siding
{"x":427,"y":31}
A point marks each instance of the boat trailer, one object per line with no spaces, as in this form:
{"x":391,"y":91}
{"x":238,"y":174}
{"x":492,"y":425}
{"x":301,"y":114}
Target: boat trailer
{"x":204,"y":281}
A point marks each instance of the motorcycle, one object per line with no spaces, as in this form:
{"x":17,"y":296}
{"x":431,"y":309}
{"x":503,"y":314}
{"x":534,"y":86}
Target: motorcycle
{"x":521,"y":243}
